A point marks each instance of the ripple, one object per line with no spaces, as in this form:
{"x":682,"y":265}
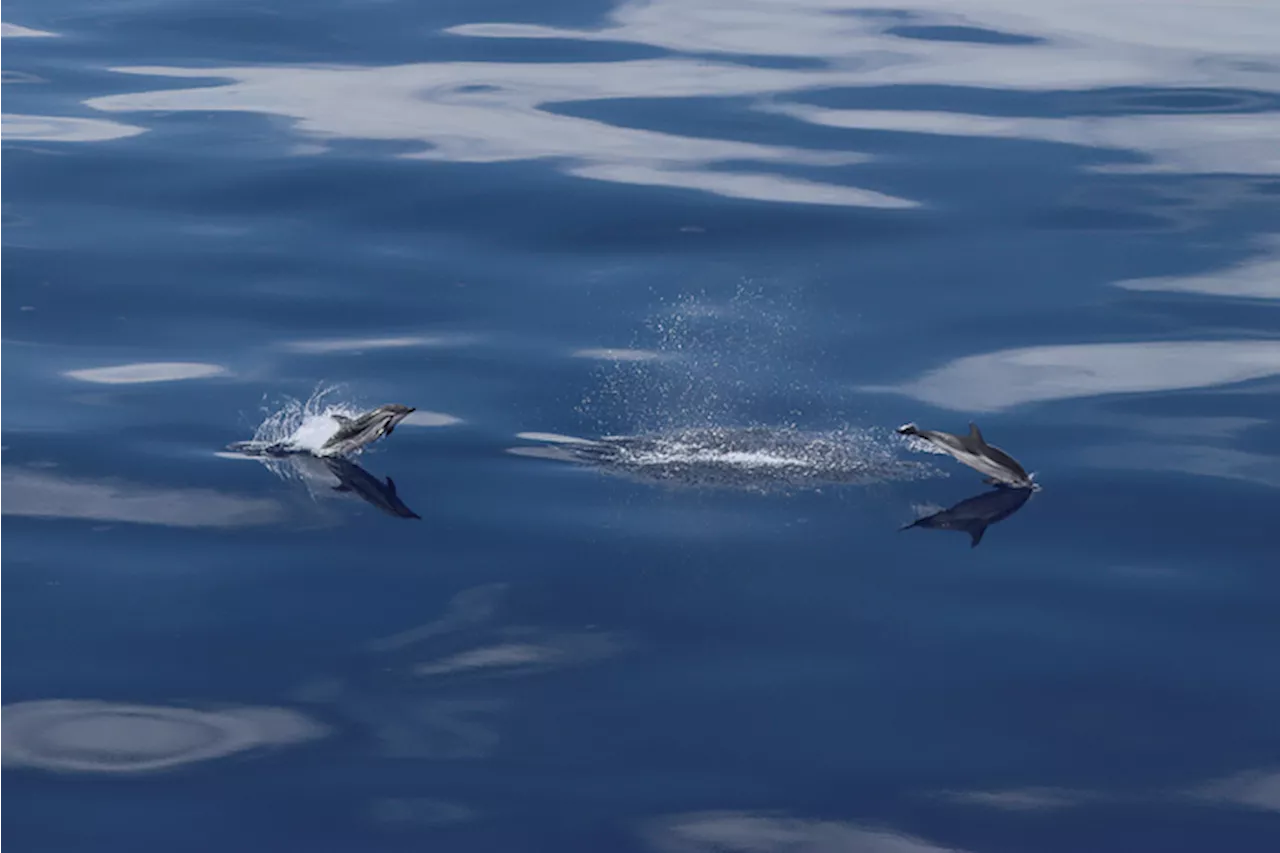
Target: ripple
{"x":101,"y":737}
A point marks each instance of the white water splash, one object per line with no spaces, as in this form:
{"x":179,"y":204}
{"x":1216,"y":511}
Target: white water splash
{"x":304,"y":426}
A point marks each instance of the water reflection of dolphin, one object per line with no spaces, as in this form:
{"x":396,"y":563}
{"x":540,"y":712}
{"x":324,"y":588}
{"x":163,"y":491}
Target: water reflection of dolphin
{"x":352,"y":478}
{"x":326,"y":475}
{"x":974,"y":515}
{"x":973,"y":450}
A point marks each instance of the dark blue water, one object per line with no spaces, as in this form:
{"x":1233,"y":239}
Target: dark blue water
{"x":744,"y":241}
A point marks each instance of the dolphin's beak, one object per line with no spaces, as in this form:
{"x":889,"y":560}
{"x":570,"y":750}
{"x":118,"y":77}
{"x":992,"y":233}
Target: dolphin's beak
{"x":396,"y":419}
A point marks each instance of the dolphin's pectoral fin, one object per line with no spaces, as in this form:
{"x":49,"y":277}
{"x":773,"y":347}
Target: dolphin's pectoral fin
{"x":976,"y":535}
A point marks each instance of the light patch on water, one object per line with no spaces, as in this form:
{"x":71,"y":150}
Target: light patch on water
{"x":775,"y":832}
{"x":1255,"y":278}
{"x":31,"y":128}
{"x":352,"y":345}
{"x":430,"y":419}
{"x":1030,"y":799}
{"x":85,"y":736}
{"x":159,"y":371}
{"x":999,"y":380}
{"x":37,"y":494}
{"x":10,"y":31}
{"x":553,"y":438}
{"x":617,"y":354}
{"x":1255,"y":789}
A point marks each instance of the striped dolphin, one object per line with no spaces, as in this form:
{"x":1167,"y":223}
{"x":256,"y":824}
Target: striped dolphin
{"x":972,"y":450}
{"x":355,"y":433}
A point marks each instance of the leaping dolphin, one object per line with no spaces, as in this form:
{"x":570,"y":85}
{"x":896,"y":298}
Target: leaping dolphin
{"x":352,"y":434}
{"x":972,"y":450}
{"x":974,"y":515}
{"x":355,"y":433}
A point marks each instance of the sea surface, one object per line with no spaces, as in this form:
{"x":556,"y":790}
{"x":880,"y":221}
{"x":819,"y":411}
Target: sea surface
{"x":660,"y":279}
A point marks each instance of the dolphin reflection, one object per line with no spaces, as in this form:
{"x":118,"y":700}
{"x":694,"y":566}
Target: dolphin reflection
{"x":356,"y":480}
{"x":974,"y":515}
{"x":326,"y":476}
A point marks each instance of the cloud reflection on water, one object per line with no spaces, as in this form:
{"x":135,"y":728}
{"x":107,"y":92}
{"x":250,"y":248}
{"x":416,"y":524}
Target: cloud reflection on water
{"x":486,"y":112}
{"x":39,"y":495}
{"x":760,"y":832}
{"x":102,"y":737}
{"x":159,"y":371}
{"x":30,"y":128}
{"x":8,"y":30}
{"x":999,"y":380}
{"x":1255,"y":278}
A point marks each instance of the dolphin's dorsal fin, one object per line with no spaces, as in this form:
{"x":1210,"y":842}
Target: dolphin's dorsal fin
{"x":391,"y":485}
{"x":975,"y":433}
{"x":343,"y":420}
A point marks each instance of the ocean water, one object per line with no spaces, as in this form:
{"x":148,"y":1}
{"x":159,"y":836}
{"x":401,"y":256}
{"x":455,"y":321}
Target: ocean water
{"x":661,"y":279}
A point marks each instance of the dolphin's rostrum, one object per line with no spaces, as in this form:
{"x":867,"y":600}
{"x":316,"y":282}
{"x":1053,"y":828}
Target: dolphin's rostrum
{"x":974,"y":515}
{"x":972,"y":450}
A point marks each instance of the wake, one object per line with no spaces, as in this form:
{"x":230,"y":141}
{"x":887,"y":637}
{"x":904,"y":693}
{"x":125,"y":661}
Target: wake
{"x":760,"y":459}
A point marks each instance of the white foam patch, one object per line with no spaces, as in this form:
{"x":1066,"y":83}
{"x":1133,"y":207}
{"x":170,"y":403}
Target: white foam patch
{"x":304,"y":426}
{"x":160,"y":371}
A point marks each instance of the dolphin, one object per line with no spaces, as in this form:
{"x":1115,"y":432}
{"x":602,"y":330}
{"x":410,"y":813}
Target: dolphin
{"x":974,"y":515}
{"x":973,"y":450}
{"x":354,"y":433}
{"x":352,"y":478}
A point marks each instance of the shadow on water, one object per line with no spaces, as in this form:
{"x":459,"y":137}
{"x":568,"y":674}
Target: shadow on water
{"x":974,"y":515}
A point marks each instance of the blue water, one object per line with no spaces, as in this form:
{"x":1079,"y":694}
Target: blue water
{"x":661,"y":278}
